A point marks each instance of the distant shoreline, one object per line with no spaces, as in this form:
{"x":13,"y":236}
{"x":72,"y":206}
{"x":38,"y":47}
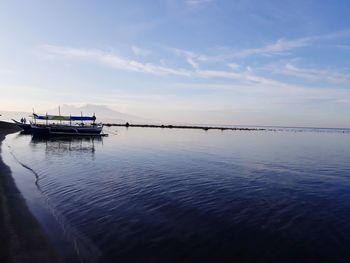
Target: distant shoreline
{"x":21,"y":236}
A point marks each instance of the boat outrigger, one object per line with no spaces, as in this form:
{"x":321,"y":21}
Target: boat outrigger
{"x":69,"y":129}
{"x":24,"y":126}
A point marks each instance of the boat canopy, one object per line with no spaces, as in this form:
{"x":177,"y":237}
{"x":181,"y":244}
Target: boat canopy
{"x":63,"y":118}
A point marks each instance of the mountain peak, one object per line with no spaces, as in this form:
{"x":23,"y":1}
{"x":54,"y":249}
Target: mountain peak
{"x":103,"y":112}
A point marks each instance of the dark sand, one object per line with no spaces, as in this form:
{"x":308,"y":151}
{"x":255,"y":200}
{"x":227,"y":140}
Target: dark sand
{"x":21,"y":237}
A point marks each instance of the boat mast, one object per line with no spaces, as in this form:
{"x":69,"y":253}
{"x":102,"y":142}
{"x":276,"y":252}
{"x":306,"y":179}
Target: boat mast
{"x":34,"y":116}
{"x":59,"y":112}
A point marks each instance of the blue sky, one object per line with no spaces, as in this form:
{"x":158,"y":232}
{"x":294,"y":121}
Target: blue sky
{"x":197,"y":61}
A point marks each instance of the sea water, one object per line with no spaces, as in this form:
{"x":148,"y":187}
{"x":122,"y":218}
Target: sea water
{"x":176,"y":195}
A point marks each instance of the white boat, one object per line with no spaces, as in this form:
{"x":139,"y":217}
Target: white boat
{"x":65,"y":129}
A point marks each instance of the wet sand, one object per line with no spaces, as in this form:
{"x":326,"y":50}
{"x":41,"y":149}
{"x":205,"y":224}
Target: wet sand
{"x":21,"y":236}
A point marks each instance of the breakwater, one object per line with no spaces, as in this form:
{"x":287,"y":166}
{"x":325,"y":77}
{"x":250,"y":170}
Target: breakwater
{"x":162,"y":126}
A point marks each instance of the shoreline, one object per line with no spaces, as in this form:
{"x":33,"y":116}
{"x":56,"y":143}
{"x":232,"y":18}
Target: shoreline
{"x":22,"y":239}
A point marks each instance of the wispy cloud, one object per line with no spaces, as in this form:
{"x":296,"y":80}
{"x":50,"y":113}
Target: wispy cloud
{"x":140,"y":51}
{"x":279,"y":47}
{"x":343,"y":46}
{"x":283,"y":45}
{"x":122,"y":63}
{"x":192,"y":62}
{"x":191,"y":57}
{"x":243,"y":76}
{"x":112,"y":60}
{"x":311,"y":74}
{"x":233,"y":66}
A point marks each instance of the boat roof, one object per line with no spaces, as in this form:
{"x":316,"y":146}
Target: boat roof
{"x":63,"y":118}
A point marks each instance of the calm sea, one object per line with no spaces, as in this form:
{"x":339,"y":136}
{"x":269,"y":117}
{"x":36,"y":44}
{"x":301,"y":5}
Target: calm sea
{"x":169,"y":195}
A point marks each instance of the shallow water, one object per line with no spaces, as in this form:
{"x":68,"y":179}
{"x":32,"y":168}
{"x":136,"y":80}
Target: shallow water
{"x":167,"y":195}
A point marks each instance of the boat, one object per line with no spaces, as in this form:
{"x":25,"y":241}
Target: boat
{"x":64,"y":129}
{"x":24,"y":126}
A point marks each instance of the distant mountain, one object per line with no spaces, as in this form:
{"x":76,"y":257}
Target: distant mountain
{"x":103,"y":113}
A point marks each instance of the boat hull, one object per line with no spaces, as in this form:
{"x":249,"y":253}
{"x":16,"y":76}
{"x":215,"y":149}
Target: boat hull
{"x":66,"y":130}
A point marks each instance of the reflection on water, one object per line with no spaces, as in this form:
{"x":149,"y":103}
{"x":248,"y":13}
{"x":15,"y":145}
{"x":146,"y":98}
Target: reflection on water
{"x":153,"y":195}
{"x":56,"y":145}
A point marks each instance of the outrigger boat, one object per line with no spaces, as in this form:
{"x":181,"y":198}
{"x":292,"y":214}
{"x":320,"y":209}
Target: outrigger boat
{"x":59,"y":129}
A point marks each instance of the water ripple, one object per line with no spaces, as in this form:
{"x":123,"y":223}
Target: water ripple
{"x":189,"y":196}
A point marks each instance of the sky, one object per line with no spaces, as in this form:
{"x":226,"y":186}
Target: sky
{"x":238,"y":62}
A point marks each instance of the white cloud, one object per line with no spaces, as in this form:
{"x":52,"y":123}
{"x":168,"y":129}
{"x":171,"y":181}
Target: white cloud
{"x":311,"y":74}
{"x":121,"y":63}
{"x":233,"y":66}
{"x":140,"y":51}
{"x":283,"y":45}
{"x":279,"y":47}
{"x":191,"y":57}
{"x":244,"y":77}
{"x":192,"y":63}
{"x":343,"y":46}
{"x":113,"y":60}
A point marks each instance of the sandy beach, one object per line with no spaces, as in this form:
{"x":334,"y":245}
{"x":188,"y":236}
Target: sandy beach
{"x":21,"y":237}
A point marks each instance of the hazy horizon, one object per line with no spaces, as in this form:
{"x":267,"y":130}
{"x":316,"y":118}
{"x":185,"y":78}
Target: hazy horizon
{"x":107,"y":115}
{"x":190,"y":61}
